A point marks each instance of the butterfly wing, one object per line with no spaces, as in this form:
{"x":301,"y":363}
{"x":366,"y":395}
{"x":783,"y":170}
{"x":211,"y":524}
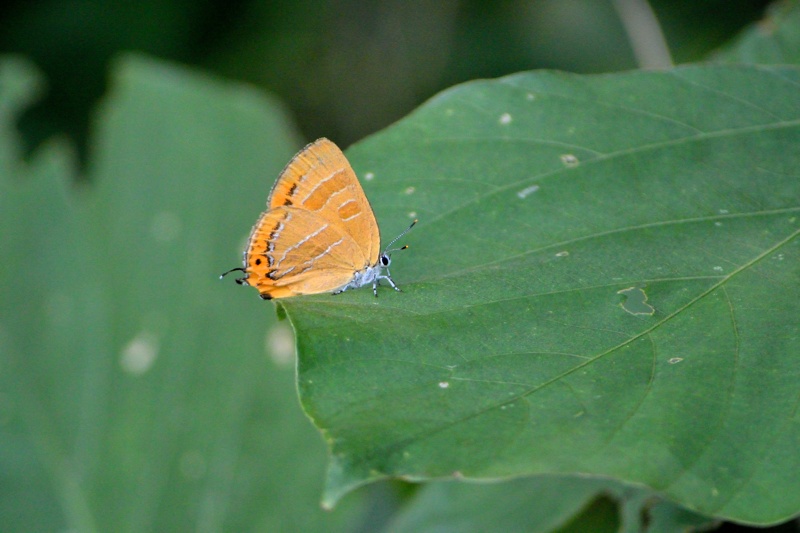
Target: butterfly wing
{"x":320,"y":180}
{"x":292,"y":251}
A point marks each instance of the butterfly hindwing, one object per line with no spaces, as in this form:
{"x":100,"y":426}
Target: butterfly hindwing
{"x":292,"y":251}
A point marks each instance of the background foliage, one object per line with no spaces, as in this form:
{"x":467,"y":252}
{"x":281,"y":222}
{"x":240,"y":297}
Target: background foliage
{"x":346,"y":68}
{"x":138,"y":393}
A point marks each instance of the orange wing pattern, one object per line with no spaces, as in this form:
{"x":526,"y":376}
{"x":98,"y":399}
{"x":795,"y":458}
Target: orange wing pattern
{"x":321,"y":180}
{"x":319,"y":230}
{"x":292,"y":251}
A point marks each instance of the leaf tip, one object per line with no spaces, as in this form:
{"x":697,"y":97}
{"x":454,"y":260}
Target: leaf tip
{"x":344,"y":477}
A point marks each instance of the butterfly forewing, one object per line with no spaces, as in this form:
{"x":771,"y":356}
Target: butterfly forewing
{"x":320,"y":180}
{"x":292,"y":251}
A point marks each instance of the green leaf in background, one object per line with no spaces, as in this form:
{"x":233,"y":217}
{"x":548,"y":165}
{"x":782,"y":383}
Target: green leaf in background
{"x":538,"y":504}
{"x":774,"y":40}
{"x":137,"y":391}
{"x":542,"y":504}
{"x":604,"y":280}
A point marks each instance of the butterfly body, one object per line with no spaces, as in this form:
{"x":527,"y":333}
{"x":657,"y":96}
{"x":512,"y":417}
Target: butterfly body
{"x":371,"y":274}
{"x":319,"y":233}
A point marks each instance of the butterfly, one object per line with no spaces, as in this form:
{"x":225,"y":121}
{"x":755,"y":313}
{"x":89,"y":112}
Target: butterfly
{"x":319,"y":233}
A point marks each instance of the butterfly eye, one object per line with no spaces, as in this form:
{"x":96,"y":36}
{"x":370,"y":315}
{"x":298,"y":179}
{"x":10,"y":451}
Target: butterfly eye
{"x":385,"y":260}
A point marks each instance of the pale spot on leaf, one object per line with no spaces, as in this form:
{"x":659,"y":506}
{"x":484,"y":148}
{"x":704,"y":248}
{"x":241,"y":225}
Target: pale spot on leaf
{"x":570,"y":160}
{"x":139,"y":354}
{"x":279,"y":344}
{"x":527,"y":191}
{"x":635,"y":301}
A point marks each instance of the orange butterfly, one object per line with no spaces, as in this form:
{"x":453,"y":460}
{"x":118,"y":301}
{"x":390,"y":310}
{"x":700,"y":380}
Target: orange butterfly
{"x":318,"y":234}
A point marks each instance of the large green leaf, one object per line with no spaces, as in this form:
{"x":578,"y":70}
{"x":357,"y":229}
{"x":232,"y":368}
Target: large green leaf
{"x":137,"y":391}
{"x":604,"y":280}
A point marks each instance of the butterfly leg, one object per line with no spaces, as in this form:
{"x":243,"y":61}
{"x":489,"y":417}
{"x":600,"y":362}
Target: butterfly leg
{"x":388,"y":278}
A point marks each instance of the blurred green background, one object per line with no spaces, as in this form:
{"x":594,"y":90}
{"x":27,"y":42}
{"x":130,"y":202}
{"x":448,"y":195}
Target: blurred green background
{"x":345,"y":68}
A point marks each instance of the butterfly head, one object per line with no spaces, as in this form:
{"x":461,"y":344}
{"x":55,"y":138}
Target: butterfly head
{"x":385,"y":258}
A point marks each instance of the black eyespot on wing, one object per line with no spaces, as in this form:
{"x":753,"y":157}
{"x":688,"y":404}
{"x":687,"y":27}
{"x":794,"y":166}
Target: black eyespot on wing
{"x":265,"y":296}
{"x":258,"y":261}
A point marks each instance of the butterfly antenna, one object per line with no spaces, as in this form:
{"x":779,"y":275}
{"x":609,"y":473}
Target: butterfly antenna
{"x":398,"y":238}
{"x":240,"y":269}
